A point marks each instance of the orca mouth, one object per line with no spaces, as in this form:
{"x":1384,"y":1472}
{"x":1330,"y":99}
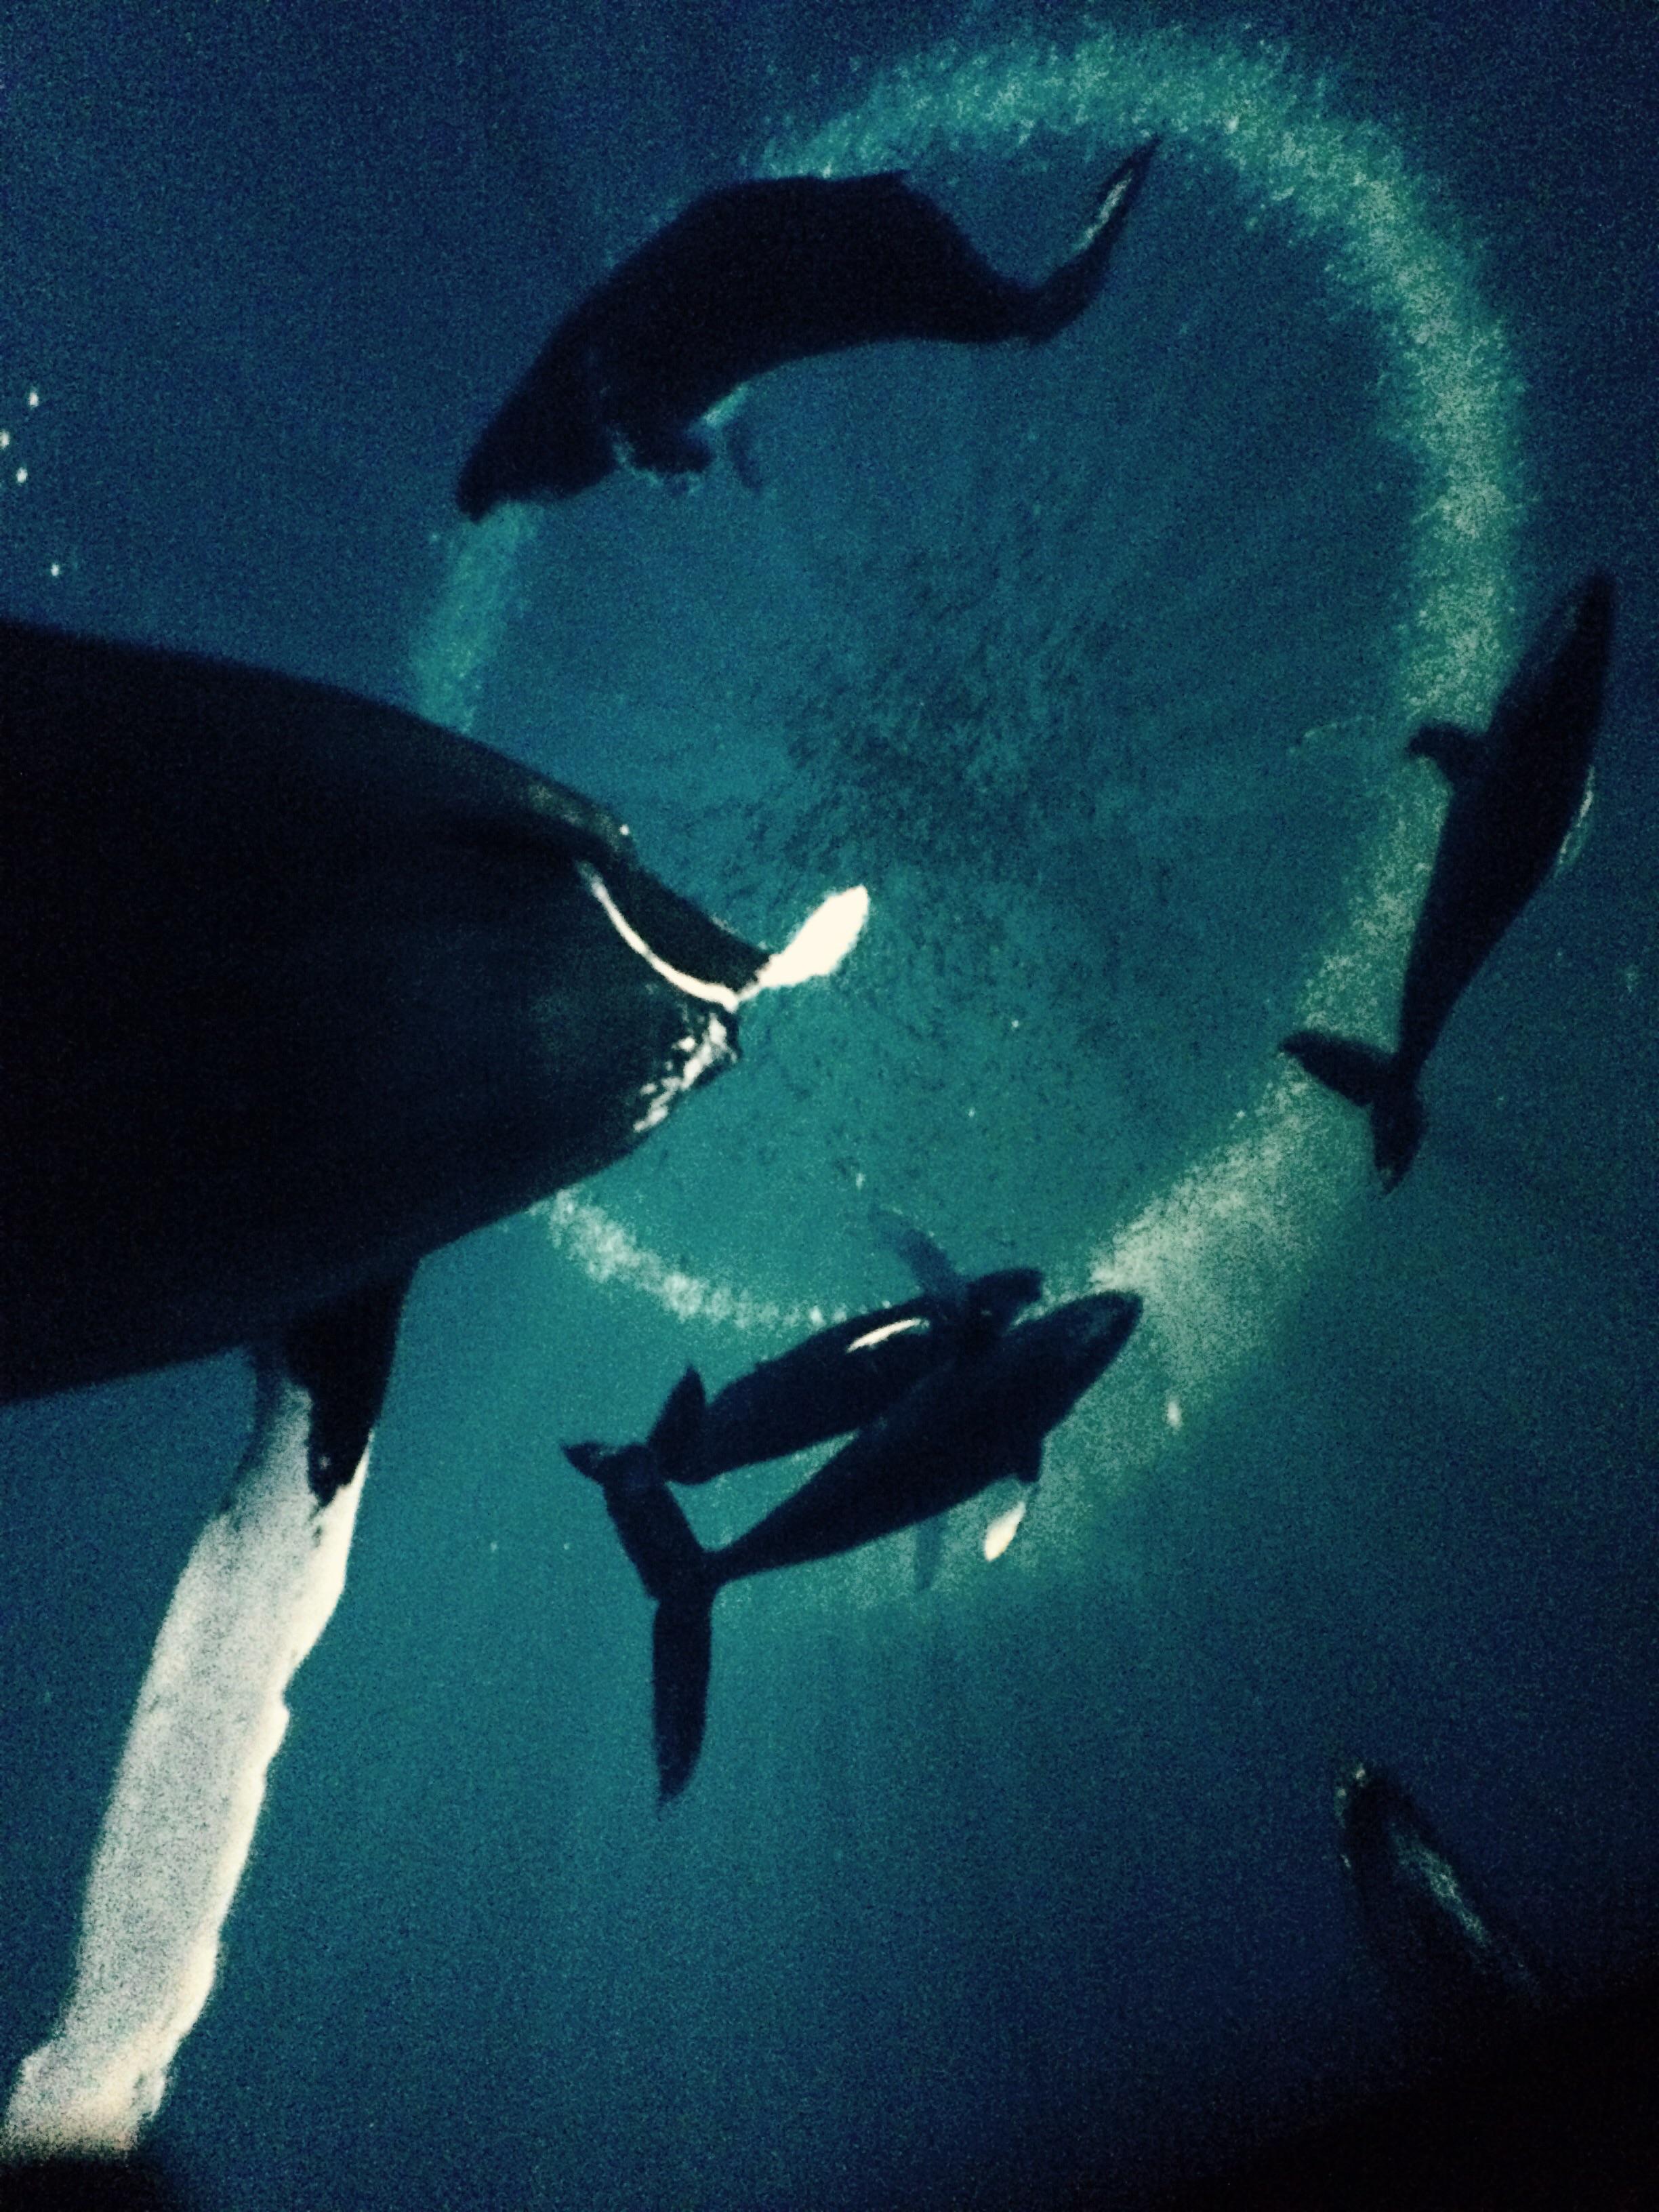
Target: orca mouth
{"x":701,"y":987}
{"x":869,"y":1340}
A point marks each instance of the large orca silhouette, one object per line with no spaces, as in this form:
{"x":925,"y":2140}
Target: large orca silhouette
{"x":745,"y":279}
{"x":1515,"y":792}
{"x":294,"y":988}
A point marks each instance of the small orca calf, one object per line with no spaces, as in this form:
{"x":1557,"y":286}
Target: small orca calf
{"x":1516,"y":792}
{"x":962,"y":1428}
{"x":838,"y":1380}
{"x":296,"y":987}
{"x":1445,"y":1956}
{"x":747,"y":278}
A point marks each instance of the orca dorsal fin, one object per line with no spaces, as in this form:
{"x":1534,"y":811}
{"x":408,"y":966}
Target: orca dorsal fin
{"x":679,"y":1425}
{"x":935,"y":1273}
{"x":1457,"y":752}
{"x":341,"y":1356}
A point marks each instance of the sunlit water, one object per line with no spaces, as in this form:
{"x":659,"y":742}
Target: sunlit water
{"x":1096,"y":662}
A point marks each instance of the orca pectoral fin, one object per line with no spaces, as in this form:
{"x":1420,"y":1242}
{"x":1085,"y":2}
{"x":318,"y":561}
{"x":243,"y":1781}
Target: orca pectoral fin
{"x":682,"y":1639}
{"x":1357,"y":1072}
{"x":1366,"y":1076}
{"x":936,"y":1277}
{"x":1457,"y":752}
{"x":341,"y":1356}
{"x":678,"y":1430}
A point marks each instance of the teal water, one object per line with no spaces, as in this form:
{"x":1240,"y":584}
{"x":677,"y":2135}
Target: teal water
{"x":1095,"y":663}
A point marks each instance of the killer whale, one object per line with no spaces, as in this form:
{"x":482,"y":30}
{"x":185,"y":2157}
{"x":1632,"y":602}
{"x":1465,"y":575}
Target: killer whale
{"x":837,"y":1380}
{"x":743,"y":280}
{"x":1446,"y":1956}
{"x":297,"y":987}
{"x":1516,"y":792}
{"x":960,"y":1429}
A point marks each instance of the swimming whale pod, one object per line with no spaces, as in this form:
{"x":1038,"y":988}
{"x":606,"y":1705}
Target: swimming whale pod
{"x":1516,"y":790}
{"x":744,"y":279}
{"x":834,"y":1382}
{"x":297,"y":987}
{"x":965,"y":1426}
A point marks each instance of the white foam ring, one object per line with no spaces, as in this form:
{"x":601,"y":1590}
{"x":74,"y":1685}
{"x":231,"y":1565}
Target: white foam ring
{"x":1215,"y":1255}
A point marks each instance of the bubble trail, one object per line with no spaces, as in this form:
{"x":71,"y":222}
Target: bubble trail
{"x":257,"y":1592}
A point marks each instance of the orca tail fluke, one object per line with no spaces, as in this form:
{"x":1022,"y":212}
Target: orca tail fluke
{"x":675,"y":1569}
{"x":1357,"y":1072}
{"x":655,"y":1534}
{"x":681,"y":1637}
{"x":1064,"y":296}
{"x":1367,"y":1077}
{"x":588,"y":1459}
{"x":676,"y":1438}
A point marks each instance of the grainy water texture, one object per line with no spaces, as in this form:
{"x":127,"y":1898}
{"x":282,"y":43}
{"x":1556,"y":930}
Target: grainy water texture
{"x":1096,"y":662}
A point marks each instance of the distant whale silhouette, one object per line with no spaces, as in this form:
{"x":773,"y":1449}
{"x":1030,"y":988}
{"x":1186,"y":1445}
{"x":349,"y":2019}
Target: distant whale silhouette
{"x":1516,"y":794}
{"x":837,"y":1380}
{"x":962,"y":1428}
{"x":1446,"y":1956}
{"x":297,"y":987}
{"x":745,"y":279}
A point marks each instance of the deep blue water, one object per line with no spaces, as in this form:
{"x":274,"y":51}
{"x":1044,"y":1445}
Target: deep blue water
{"x":1095,"y":663}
